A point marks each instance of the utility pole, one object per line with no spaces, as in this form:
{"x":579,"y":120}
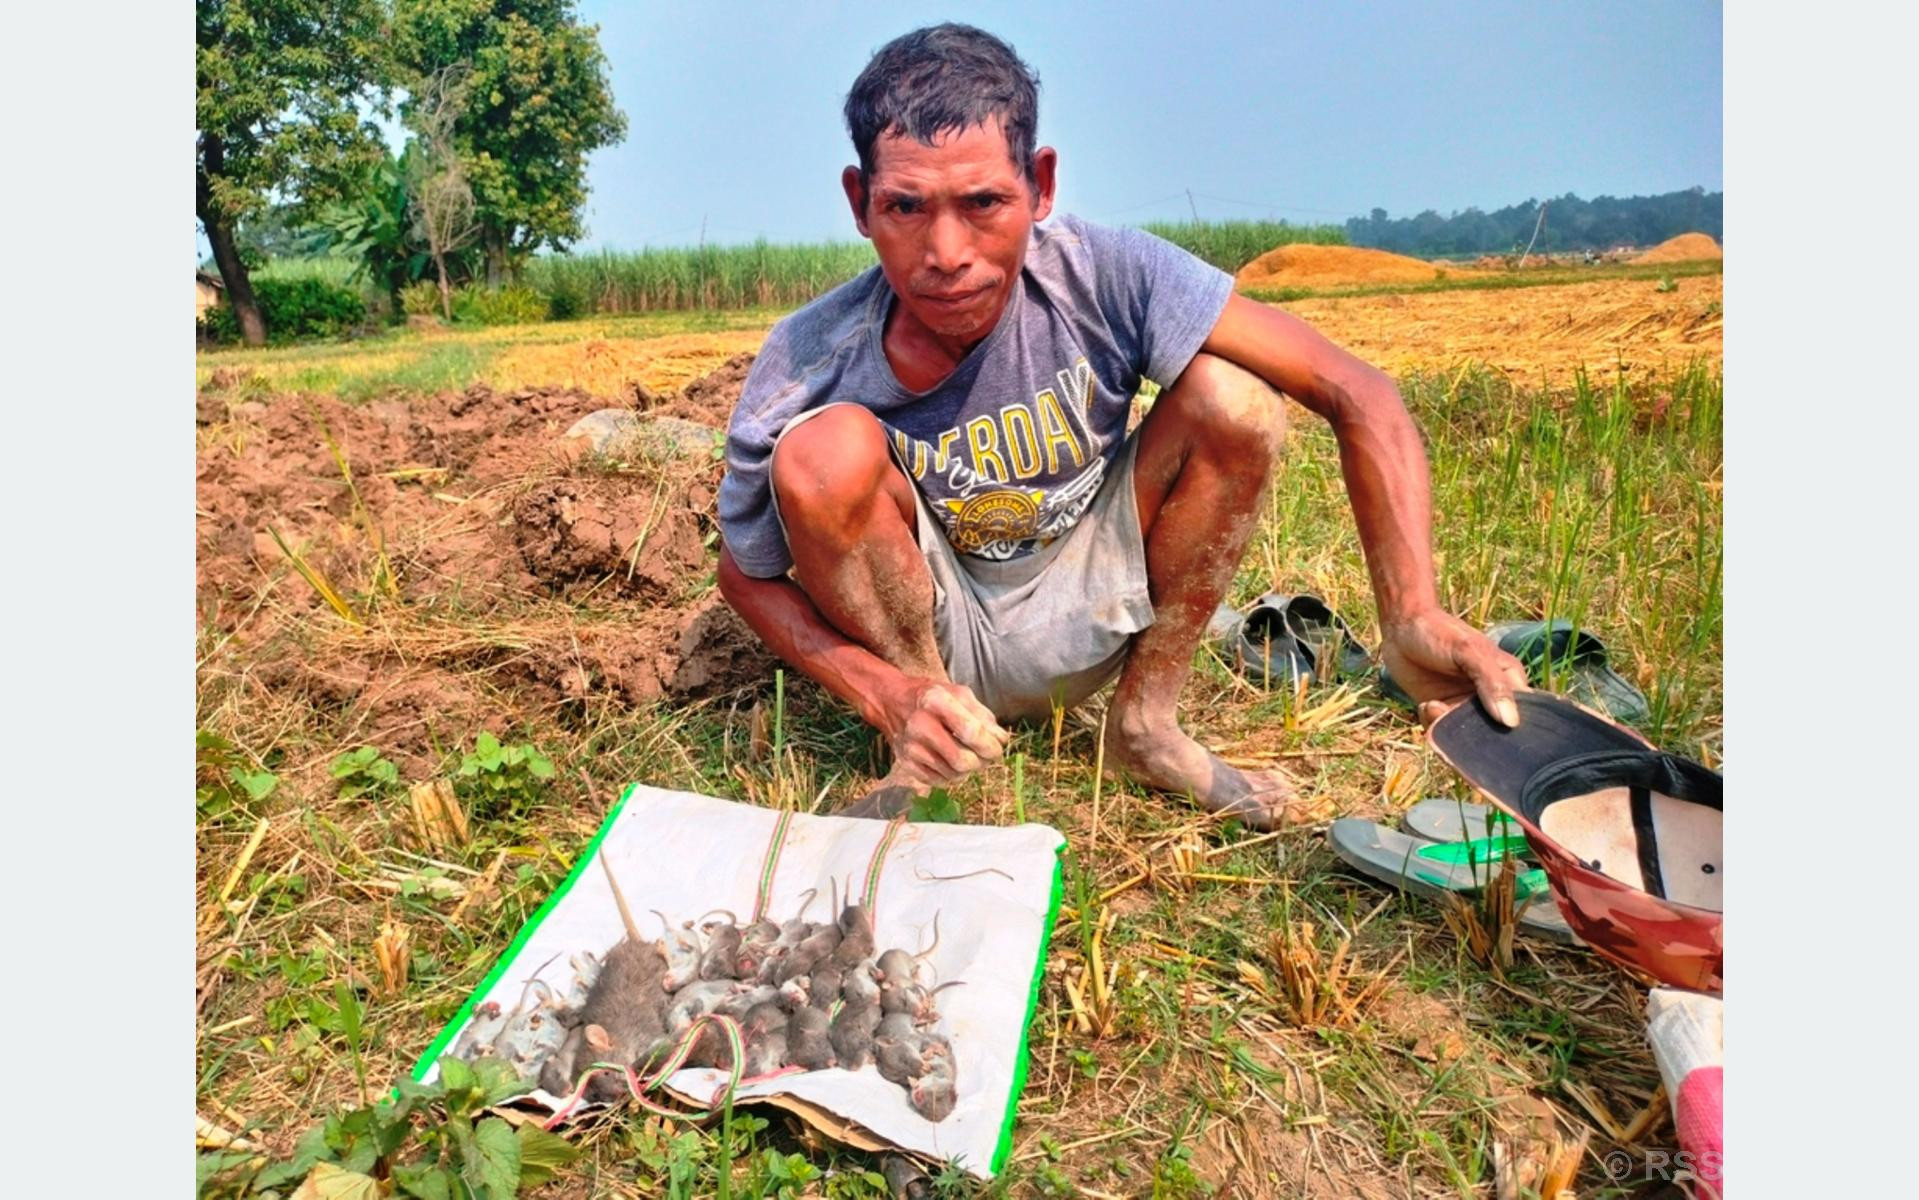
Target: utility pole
{"x":1191,"y":205}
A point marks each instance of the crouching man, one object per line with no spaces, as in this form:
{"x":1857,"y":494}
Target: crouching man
{"x":933,"y":506}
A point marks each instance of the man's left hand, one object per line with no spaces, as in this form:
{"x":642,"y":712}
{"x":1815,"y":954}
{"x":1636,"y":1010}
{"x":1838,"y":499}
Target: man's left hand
{"x":1441,"y":661}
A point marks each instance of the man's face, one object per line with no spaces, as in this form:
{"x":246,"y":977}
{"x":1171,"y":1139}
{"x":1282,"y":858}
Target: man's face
{"x":949,"y":223}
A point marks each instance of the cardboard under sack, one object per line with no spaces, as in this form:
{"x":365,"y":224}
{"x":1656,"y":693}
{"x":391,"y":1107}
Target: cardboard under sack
{"x":686,"y":855}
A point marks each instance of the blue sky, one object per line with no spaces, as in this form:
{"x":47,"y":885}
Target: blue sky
{"x":1300,"y":111}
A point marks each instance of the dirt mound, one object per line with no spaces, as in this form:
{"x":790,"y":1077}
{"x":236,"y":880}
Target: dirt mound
{"x":599,"y":530}
{"x":1330,"y":266}
{"x":710,"y":398}
{"x":1687,"y":247}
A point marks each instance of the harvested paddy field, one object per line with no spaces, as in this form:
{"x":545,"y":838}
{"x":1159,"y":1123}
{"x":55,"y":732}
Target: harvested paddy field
{"x":402,"y":558}
{"x":1549,"y":332}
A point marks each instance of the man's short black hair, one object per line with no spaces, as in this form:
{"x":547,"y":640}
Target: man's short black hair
{"x":944,"y":79}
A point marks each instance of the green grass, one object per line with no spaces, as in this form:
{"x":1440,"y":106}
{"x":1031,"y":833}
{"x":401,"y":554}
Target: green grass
{"x":332,"y":269}
{"x":703,"y":277}
{"x":1230,"y":245}
{"x":1496,"y":280}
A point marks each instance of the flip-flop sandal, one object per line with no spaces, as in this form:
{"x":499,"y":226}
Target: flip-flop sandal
{"x":1430,"y":869}
{"x":1443,"y":819}
{"x":1281,"y":637}
{"x":1577,"y":663}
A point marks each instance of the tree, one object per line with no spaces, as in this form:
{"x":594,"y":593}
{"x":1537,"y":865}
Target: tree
{"x":279,"y":117}
{"x":442,"y":200}
{"x":540,"y":103}
{"x":375,"y":224}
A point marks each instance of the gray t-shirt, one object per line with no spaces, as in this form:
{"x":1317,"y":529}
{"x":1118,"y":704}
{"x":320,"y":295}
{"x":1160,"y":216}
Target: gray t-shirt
{"x":1010,"y":448}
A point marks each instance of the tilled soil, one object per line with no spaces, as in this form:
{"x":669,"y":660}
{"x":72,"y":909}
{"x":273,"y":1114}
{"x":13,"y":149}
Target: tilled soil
{"x":566,"y":578}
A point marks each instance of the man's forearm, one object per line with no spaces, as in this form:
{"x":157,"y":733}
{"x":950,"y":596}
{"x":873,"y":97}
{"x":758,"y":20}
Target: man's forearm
{"x":1379,"y":450}
{"x":1389,"y":484}
{"x":793,"y":628}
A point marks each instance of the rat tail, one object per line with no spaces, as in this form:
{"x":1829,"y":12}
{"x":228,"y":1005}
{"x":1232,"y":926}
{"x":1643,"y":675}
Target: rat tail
{"x":619,"y":898}
{"x":921,"y":956}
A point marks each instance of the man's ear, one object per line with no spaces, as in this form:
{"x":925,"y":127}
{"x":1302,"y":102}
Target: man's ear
{"x":1045,"y":177}
{"x":855,"y":196}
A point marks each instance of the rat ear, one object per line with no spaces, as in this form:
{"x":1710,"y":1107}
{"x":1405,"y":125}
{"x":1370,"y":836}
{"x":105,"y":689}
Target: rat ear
{"x":596,"y":1037}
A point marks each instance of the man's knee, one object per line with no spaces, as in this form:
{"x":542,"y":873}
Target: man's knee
{"x":828,"y":471}
{"x":1229,"y":410}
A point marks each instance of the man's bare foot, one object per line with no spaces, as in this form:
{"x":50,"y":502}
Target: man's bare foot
{"x":1168,"y":760}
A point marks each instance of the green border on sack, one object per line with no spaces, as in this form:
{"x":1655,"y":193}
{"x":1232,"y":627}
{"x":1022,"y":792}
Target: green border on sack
{"x":433,"y":1052}
{"x":1004,"y":1150}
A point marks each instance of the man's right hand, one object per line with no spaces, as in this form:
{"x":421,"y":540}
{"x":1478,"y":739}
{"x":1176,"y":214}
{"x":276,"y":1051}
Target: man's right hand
{"x":939,"y":731}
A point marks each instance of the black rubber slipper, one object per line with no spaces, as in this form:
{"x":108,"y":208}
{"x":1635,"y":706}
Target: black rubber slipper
{"x":1572,"y":662}
{"x":1282,"y":637}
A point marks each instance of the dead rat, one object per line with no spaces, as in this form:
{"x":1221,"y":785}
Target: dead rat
{"x":795,"y":993}
{"x":856,"y":936}
{"x":533,"y":1032}
{"x":476,"y":1040}
{"x":818,"y":947}
{"x":896,"y":1049}
{"x":809,"y":1044}
{"x":933,"y":1094}
{"x":792,"y":933}
{"x":624,"y":1015}
{"x":918,"y":1001}
{"x":586,"y":969}
{"x":721,"y":960}
{"x":825,"y":984}
{"x":857,"y":987}
{"x":765,"y":1035}
{"x":682,"y":950}
{"x":744,"y":998}
{"x":694,"y":1001}
{"x":755,"y":940}
{"x":897,"y":967}
{"x":852,"y":1030}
